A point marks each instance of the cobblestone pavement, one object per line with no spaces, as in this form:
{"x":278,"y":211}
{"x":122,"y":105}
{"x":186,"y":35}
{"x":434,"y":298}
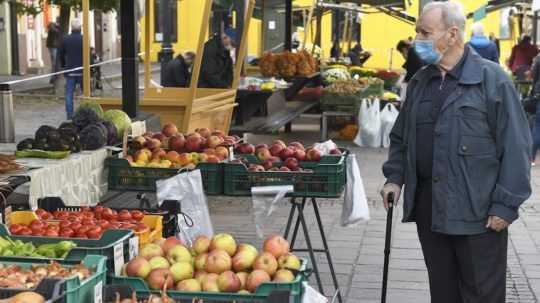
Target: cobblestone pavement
{"x":358,"y":251}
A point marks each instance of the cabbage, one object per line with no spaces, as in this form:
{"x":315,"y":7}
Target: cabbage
{"x":120,"y":120}
{"x":93,"y":106}
{"x":111,"y":132}
{"x":93,"y":137}
{"x":85,"y":116}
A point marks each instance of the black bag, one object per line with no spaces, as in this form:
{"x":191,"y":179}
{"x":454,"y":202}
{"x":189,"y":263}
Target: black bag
{"x":530,"y":102}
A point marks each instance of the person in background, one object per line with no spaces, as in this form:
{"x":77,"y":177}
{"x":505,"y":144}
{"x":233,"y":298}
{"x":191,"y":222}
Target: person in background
{"x":53,"y":42}
{"x":95,"y":71}
{"x":335,"y":51}
{"x":412,"y":64}
{"x":497,"y":43}
{"x":177,"y":71}
{"x":482,"y":45}
{"x":358,"y":56}
{"x":535,"y":91}
{"x":217,"y":63}
{"x":521,"y":58}
{"x":71,"y":56}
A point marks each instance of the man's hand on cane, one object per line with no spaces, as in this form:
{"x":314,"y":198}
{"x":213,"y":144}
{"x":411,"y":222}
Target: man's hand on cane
{"x":390,"y":188}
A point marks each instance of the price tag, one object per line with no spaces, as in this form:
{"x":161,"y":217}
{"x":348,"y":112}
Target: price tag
{"x":118,"y":258}
{"x":7,"y":212}
{"x":231,"y":153}
{"x":133,"y":247}
{"x":98,"y":292}
{"x":138,"y":128}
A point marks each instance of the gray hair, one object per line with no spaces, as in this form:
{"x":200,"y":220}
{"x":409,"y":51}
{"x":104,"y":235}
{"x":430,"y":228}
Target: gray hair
{"x":76,"y":25}
{"x":451,"y":14}
{"x":477,"y":29}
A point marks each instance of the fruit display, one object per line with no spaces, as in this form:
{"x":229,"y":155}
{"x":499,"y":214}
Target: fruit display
{"x":171,"y":149}
{"x":288,"y":65}
{"x":17,"y":248}
{"x":8,"y":164}
{"x":14,"y":276}
{"x":86,"y":224}
{"x":218,"y":264}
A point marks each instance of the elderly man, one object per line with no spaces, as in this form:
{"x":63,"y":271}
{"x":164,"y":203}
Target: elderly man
{"x":71,"y":56}
{"x":461,"y":147}
{"x":482,"y":44}
{"x":217,"y":63}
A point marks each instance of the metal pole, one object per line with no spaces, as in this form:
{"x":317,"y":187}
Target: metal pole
{"x":14,"y":39}
{"x":288,"y":25}
{"x":7,"y":122}
{"x":86,"y":48}
{"x":166,"y":53}
{"x":130,"y":63}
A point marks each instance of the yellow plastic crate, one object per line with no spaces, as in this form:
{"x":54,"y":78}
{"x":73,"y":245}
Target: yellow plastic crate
{"x":24,"y":217}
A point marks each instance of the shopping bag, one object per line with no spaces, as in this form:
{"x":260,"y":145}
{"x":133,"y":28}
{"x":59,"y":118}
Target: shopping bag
{"x":355,"y":207}
{"x":265,"y":200}
{"x":187,"y":188}
{"x":311,"y":295}
{"x":369,"y":124}
{"x":389,"y":115}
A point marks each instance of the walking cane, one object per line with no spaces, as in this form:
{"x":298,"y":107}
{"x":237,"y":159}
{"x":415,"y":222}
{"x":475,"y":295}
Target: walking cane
{"x":387,"y":243}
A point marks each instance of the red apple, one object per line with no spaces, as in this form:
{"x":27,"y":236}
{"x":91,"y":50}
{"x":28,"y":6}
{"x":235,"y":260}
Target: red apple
{"x":161,"y":137}
{"x":286,"y":153}
{"x":280,"y":142}
{"x":177,"y":142}
{"x":276,"y":245}
{"x":300,"y":155}
{"x":335,"y":151}
{"x":313,"y":155}
{"x":297,"y":145}
{"x":260,"y":146}
{"x":193,"y":143}
{"x":291,"y":163}
{"x":267,"y":164}
{"x":204,"y":132}
{"x":276,"y":149}
{"x":246,"y":148}
{"x":169,"y":130}
{"x":214,"y":141}
{"x":284,"y":168}
{"x":263,"y":154}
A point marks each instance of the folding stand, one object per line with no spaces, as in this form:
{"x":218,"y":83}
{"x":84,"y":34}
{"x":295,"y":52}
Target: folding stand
{"x":301,"y":220}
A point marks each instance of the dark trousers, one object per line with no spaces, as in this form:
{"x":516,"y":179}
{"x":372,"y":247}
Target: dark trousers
{"x":461,"y":269}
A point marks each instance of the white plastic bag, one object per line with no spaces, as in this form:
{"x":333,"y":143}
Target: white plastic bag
{"x":188,"y":189}
{"x":389,"y":115}
{"x":355,"y":206}
{"x":312,"y":296}
{"x":369,"y":124}
{"x":265,"y":200}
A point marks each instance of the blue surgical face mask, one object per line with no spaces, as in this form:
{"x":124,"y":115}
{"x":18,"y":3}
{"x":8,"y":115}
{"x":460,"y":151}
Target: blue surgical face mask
{"x":426,"y":51}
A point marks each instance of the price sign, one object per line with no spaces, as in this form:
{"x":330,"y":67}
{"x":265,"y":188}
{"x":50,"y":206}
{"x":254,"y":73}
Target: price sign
{"x":98,"y":292}
{"x":138,"y":128}
{"x":133,"y":247}
{"x":118,"y":258}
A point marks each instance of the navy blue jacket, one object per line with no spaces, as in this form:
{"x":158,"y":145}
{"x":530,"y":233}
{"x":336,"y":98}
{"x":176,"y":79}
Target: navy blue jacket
{"x":485,"y":48}
{"x":71,"y":54}
{"x":481,"y":150}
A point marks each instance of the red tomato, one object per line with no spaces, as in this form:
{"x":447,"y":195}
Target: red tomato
{"x":51,"y":233}
{"x":87,"y":215}
{"x":83,"y":229}
{"x":46,"y":216}
{"x":53,"y":227}
{"x":40,"y":211}
{"x":85,"y":209}
{"x":128,"y":226}
{"x":98,"y":209}
{"x":37,"y":224}
{"x":137,"y":215}
{"x":25,"y":231}
{"x":38,"y":232}
{"x":15,"y":229}
{"x":73,"y":218}
{"x":75,"y":226}
{"x":81,"y":235}
{"x":67,"y":232}
{"x":61,"y":215}
{"x":104,"y":224}
{"x":107,"y":213}
{"x":124,"y":215}
{"x":64,"y":224}
{"x":94,"y":232}
{"x":89,"y":222}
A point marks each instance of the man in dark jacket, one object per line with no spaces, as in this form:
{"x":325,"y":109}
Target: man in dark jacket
{"x":521,"y":58}
{"x":217,"y":65}
{"x":482,"y":45}
{"x":412,"y":61}
{"x":461,"y":147}
{"x":358,"y":56}
{"x":71,"y":56}
{"x":177,"y":71}
{"x":54,"y":39}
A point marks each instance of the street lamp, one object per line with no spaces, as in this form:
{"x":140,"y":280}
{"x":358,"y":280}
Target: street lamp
{"x":166,"y":53}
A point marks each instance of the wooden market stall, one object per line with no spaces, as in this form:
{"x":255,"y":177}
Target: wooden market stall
{"x":191,"y":107}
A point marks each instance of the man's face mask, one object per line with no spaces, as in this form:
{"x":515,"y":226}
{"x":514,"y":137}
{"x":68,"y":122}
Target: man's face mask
{"x":425,"y":48}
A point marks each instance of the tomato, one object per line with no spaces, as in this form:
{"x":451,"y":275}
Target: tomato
{"x":61,"y":215}
{"x":51,"y":233}
{"x":46,"y":216}
{"x":128,"y":226}
{"x":64,"y":224}
{"x":72,"y":218}
{"x":15,"y":229}
{"x":75,"y":226}
{"x":53,"y":227}
{"x":87,"y":215}
{"x":37,"y":224}
{"x":114,"y":225}
{"x":104,"y":224}
{"x":94,"y":232}
{"x":25,"y":231}
{"x":107,"y":213}
{"x":89,"y":222}
{"x":98,"y":209}
{"x":124,"y":215}
{"x":38,"y":232}
{"x":67,"y":232}
{"x":85,"y":209}
{"x":83,"y":229}
{"x":137,"y":215}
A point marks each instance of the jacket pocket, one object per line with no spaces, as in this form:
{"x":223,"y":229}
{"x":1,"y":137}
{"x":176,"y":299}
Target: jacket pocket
{"x":476,"y":179}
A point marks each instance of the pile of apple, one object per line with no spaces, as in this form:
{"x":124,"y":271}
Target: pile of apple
{"x":213,"y":265}
{"x":86,"y":224}
{"x":278,"y":153}
{"x":171,"y":149}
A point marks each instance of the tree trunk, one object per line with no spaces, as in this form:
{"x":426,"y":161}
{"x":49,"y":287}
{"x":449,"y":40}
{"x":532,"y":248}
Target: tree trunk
{"x":64,"y":19}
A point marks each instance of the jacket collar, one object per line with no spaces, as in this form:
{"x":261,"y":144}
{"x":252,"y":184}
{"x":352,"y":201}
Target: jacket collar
{"x":470,"y":74}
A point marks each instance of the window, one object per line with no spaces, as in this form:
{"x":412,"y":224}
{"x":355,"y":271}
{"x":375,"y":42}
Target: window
{"x":158,"y":20}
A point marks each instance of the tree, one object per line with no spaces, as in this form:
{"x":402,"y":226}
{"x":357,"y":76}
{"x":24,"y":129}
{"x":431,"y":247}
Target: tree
{"x":35,"y":7}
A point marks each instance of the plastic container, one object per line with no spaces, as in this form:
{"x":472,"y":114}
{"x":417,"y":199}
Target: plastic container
{"x":262,"y":293}
{"x":327,"y":179}
{"x":103,"y":246}
{"x":122,"y":176}
{"x":70,"y":290}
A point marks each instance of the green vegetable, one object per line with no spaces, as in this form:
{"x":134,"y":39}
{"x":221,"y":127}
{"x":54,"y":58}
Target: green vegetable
{"x":37,"y":153}
{"x":93,"y":106}
{"x":22,"y":249}
{"x":62,"y":248}
{"x":121,"y":121}
{"x":7,"y":253}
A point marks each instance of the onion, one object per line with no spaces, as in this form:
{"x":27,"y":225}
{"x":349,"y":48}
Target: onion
{"x":25,"y":297}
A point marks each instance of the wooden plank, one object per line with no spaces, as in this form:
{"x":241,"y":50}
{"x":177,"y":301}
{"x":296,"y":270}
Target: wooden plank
{"x":86,"y":47}
{"x":147,"y":65}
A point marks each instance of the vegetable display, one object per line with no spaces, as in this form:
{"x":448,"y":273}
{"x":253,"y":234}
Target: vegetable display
{"x":93,"y":137}
{"x":120,"y":120}
{"x":8,"y":164}
{"x":287,"y":64}
{"x":13,"y":276}
{"x":335,"y":74}
{"x":19,"y":248}
{"x":345,"y":87}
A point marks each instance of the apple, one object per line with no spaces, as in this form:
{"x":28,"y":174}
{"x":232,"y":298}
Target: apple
{"x":246,"y":148}
{"x":218,"y":261}
{"x":172,"y":156}
{"x":260,"y":146}
{"x":276,"y":245}
{"x":289,"y":261}
{"x":335,"y":151}
{"x":200,"y":261}
{"x":213,"y":159}
{"x":283,"y":276}
{"x":152,"y":144}
{"x":158,"y":262}
{"x":181,"y":271}
{"x":209,"y":283}
{"x":225,"y":242}
{"x":275,"y":149}
{"x":160,"y":136}
{"x":151,"y":250}
{"x":263,"y":154}
{"x":222,"y":152}
{"x":286,"y":153}
{"x":243,"y":278}
{"x":140,"y":156}
{"x":177,"y":142}
{"x":300,"y":155}
{"x":179,"y":253}
{"x":313,"y":155}
{"x":204,"y":132}
{"x":214,"y":141}
{"x":201,"y":245}
{"x":184,"y":159}
{"x":138,"y":267}
{"x":200,"y":275}
{"x":159,"y":277}
{"x":256,"y":278}
{"x":267,"y":262}
{"x":248,"y":247}
{"x":193,"y":143}
{"x":267,"y":164}
{"x":297,"y":145}
{"x":191,"y":285}
{"x":291,"y":163}
{"x":284,"y":168}
{"x":169,"y":129}
{"x":228,"y":281}
{"x":169,"y":243}
{"x":138,"y":142}
{"x":243,"y":260}
{"x":280,"y":142}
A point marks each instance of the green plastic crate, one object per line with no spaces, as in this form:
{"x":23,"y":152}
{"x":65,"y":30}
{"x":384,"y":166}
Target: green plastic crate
{"x":72,"y":289}
{"x":103,"y":246}
{"x":327,"y":180}
{"x":123,"y":176}
{"x":260,"y":295}
{"x":350,"y":103}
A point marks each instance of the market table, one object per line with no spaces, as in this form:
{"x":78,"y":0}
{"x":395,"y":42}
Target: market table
{"x":251,"y":103}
